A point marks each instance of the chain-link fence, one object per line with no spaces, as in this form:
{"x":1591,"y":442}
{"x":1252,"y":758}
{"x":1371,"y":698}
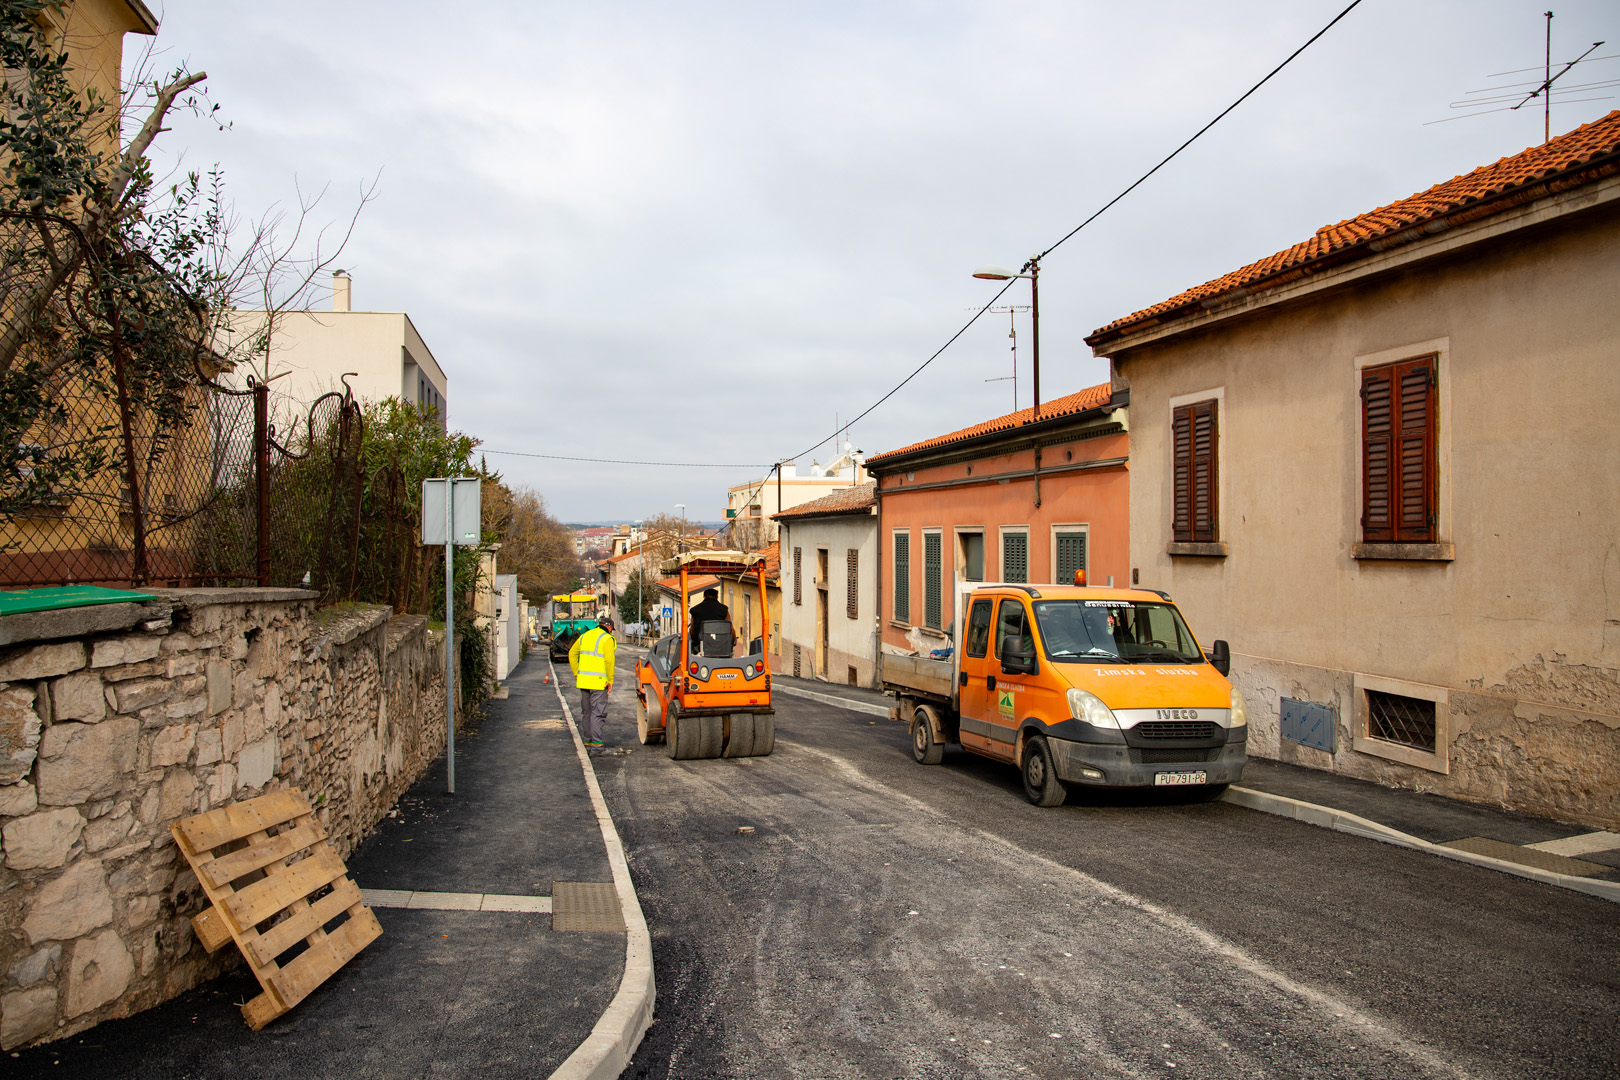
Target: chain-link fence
{"x":222,"y":498}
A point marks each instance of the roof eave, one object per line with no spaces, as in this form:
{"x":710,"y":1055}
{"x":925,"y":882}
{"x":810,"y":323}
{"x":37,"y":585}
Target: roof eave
{"x":1520,"y":208}
{"x":897,"y":459}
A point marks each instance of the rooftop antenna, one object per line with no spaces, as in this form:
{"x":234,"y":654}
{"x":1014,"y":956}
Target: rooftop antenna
{"x":1012,"y":332}
{"x":1510,"y":97}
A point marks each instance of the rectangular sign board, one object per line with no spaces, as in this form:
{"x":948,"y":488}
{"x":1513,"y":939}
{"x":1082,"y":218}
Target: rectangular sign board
{"x":466,"y":504}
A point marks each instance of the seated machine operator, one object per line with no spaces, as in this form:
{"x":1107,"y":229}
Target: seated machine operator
{"x":709,"y":610}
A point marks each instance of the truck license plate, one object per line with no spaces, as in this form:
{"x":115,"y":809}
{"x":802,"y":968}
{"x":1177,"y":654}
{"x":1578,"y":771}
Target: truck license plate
{"x":1173,"y":779}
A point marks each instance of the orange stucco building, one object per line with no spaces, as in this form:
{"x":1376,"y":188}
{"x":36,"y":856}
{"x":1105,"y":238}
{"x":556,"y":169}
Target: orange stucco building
{"x":1019,"y":498}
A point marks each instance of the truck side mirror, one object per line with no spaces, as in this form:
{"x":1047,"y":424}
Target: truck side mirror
{"x":1220,"y":656}
{"x":1014,"y":659}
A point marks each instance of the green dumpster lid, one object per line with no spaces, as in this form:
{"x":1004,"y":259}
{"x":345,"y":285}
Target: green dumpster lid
{"x":15,"y":603}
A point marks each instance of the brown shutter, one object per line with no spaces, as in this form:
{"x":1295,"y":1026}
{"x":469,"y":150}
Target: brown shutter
{"x":798,"y":575}
{"x":852,"y":597}
{"x":1399,"y":474}
{"x":1181,"y":524}
{"x":1196,"y":473}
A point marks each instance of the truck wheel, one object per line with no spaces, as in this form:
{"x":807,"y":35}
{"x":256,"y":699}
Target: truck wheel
{"x":924,"y":748}
{"x":1041,"y":784}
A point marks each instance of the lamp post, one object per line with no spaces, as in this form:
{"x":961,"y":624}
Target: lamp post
{"x":682,"y":545}
{"x":1032,"y":271}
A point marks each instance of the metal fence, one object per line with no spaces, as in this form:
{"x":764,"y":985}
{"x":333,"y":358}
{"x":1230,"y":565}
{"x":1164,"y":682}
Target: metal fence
{"x":223,"y":498}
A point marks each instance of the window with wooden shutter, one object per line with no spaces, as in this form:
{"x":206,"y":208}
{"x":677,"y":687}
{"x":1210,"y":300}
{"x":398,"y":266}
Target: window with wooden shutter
{"x":932,"y":569}
{"x":902,"y":577}
{"x":1015,"y":557}
{"x":851,"y":595}
{"x":1196,"y":506}
{"x":1399,"y":477}
{"x":1071,"y":555}
{"x":798,"y":576}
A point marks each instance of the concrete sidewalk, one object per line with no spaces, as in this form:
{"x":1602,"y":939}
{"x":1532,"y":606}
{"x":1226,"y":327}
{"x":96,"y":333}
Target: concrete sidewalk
{"x":475,"y":974}
{"x":1558,"y":853}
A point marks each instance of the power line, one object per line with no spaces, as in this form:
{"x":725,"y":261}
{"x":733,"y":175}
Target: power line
{"x":617,"y":461}
{"x":1138,"y":183}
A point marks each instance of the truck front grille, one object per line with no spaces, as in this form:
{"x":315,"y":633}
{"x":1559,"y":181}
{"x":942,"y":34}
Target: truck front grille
{"x":1159,"y":755}
{"x":1176,"y":729}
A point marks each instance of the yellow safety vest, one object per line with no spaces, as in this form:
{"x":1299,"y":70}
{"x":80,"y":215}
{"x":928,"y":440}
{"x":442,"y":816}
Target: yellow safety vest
{"x":592,"y":659}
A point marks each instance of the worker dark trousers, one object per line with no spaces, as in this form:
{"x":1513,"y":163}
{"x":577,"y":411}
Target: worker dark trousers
{"x":592,"y":714}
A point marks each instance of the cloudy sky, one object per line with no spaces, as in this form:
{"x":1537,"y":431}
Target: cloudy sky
{"x":711,"y":230}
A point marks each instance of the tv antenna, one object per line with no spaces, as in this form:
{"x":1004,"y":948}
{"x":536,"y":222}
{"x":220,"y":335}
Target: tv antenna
{"x":1012,"y":311}
{"x":1512,"y":96}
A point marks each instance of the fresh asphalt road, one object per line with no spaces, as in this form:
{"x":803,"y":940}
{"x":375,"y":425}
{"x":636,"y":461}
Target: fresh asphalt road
{"x":887,"y":919}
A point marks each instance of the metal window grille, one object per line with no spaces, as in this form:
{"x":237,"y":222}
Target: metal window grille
{"x":1402,"y":720}
{"x":851,"y":593}
{"x":1015,"y":557}
{"x":796,"y":661}
{"x":931,"y":580}
{"x":1071,"y":556}
{"x":798,"y":580}
{"x":902,"y":577}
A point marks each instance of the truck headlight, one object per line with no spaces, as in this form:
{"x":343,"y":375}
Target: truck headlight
{"x":1090,"y":708}
{"x":1240,"y":715}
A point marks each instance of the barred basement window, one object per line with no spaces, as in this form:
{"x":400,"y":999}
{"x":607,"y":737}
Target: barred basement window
{"x":796,"y":661}
{"x":902,"y":577}
{"x":1404,"y":721}
{"x":798,"y":577}
{"x":931,"y":582}
{"x":851,"y":598}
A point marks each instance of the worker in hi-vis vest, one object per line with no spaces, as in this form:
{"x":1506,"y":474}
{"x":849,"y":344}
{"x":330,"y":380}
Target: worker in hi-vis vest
{"x":592,"y":661}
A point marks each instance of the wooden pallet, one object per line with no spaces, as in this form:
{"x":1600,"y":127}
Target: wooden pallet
{"x":275,"y":885}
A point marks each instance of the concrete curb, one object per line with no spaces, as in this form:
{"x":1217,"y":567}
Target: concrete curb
{"x":1339,"y":820}
{"x":607,"y":1050}
{"x":867,"y":707}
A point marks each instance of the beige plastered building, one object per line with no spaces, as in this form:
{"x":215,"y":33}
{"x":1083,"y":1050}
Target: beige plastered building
{"x":829,"y":585}
{"x":1485,"y":621}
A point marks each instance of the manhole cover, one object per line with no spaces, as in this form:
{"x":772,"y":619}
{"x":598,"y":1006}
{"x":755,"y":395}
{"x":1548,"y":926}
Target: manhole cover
{"x":587,"y":906}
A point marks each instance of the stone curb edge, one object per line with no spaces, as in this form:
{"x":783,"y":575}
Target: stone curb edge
{"x":867,"y":707}
{"x":1341,"y":821}
{"x":607,"y":1050}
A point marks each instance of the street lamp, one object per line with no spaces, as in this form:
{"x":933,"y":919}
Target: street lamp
{"x":682,"y":508}
{"x":641,"y":572}
{"x":1032,"y":271}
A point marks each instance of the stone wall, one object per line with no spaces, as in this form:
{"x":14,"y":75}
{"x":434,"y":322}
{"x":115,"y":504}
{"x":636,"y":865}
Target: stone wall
{"x":117,"y":720}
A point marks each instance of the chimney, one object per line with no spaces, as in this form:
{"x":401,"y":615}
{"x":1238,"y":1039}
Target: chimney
{"x":340,"y":290}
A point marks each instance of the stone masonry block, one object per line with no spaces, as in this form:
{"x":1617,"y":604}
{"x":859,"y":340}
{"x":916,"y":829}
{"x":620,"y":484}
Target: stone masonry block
{"x":26,"y":1015}
{"x":20,"y":728}
{"x":257,"y":764}
{"x":42,"y":841}
{"x":219,"y":687}
{"x":17,"y":800}
{"x":132,"y":650}
{"x":71,"y":906}
{"x":78,"y":697}
{"x":97,"y":972}
{"x":210,"y":746}
{"x":141,"y":694}
{"x":86,"y":761}
{"x":179,"y":796}
{"x":34,"y":967}
{"x":42,"y":661}
{"x":173,"y":744}
{"x":103,"y":833}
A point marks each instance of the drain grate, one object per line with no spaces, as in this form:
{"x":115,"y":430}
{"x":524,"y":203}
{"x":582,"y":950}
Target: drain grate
{"x":586,"y":906}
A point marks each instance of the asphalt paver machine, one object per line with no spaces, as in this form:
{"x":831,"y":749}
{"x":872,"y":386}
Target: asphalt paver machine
{"x":571,"y":615}
{"x":699,"y":692}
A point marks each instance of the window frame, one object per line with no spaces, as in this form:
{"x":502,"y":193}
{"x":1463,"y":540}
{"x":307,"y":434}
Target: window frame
{"x":988,"y":604}
{"x":960,"y":569}
{"x":1084,"y":529}
{"x":1404,"y":430}
{"x":1184,"y":472}
{"x":1441,"y":548}
{"x":1362,"y":742}
{"x":900,"y":576}
{"x":937,"y":623}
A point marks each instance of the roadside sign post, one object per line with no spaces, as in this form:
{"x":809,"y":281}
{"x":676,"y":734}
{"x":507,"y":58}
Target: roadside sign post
{"x":451,"y":510}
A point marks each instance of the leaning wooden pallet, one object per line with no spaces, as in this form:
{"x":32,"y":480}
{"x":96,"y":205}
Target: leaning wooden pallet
{"x":275,"y":886}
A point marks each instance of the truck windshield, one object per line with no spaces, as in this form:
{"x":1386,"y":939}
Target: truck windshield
{"x":1114,"y":631}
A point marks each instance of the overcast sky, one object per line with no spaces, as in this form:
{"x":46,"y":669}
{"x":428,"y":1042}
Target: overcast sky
{"x":708,"y":230}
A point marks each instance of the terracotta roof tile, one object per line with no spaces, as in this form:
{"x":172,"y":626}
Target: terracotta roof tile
{"x":1489,"y":189}
{"x":1091,"y":397}
{"x":851,"y":500}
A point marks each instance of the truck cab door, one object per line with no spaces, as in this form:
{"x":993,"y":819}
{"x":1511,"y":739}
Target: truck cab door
{"x":976,"y":672}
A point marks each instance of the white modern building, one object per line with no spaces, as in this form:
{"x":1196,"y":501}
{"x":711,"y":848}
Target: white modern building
{"x":380,"y":351}
{"x":751,"y":507}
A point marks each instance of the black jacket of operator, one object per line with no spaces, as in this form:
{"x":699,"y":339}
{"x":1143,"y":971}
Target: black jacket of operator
{"x":709,"y":611}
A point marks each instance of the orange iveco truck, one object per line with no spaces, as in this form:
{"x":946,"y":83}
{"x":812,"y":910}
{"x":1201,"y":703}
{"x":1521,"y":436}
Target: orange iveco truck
{"x":1076,"y":686}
